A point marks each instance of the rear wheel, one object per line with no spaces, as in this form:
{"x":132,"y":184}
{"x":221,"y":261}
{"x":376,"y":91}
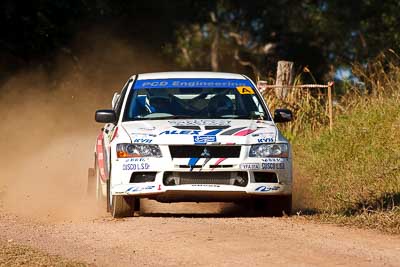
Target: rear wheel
{"x":99,"y":187}
{"x":124,"y":206}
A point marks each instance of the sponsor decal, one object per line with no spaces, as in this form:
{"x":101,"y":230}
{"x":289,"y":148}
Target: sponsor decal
{"x":140,"y":188}
{"x":265,"y":140}
{"x":142,"y":140}
{"x":142,"y":135}
{"x":264,"y":188}
{"x":187,"y":132}
{"x":205,"y":185}
{"x":136,"y":160}
{"x":249,"y":166}
{"x":135,"y":166}
{"x":206,"y":137}
{"x":203,"y":139}
{"x":273,"y":166}
{"x":152,"y":128}
{"x":273,"y":160}
{"x":191,"y":83}
{"x":245,"y":90}
{"x":200,"y":123}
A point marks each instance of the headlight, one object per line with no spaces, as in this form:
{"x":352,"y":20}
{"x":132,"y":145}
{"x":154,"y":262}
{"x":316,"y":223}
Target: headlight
{"x":269,"y":150}
{"x":136,"y":151}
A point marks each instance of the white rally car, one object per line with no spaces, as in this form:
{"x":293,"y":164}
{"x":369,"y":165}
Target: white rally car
{"x":191,"y":136}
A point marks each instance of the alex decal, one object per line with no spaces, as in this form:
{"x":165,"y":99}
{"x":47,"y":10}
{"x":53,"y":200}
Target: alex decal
{"x":190,"y":132}
{"x":135,"y":166}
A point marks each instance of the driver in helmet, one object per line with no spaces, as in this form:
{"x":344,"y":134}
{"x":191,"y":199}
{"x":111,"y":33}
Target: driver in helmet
{"x":220,"y":105}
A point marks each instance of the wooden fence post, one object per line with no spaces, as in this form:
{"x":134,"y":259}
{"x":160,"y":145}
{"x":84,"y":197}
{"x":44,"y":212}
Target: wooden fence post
{"x":284,"y":76}
{"x":330,"y":105}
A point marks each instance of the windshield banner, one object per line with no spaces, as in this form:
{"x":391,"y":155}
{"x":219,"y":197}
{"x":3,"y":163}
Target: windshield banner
{"x":191,"y":83}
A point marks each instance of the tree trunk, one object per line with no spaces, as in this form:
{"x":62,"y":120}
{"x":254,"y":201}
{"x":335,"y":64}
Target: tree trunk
{"x":214,"y":50}
{"x":284,"y":76}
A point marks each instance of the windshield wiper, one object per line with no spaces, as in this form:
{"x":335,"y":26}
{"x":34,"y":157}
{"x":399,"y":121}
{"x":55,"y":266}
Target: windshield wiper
{"x":177,"y":117}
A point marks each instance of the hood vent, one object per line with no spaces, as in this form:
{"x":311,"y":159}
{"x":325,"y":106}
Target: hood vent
{"x":190,"y":127}
{"x":216,"y":127}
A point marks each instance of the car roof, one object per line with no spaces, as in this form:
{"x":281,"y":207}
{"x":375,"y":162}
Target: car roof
{"x":190,"y":75}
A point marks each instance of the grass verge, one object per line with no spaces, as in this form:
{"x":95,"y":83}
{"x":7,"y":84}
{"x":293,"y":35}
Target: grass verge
{"x":351,"y":176}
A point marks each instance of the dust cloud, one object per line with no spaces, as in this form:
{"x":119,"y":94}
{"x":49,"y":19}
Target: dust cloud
{"x":48,"y":130}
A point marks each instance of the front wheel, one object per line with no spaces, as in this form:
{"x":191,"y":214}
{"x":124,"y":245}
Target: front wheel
{"x":283,"y":205}
{"x":274,"y":205}
{"x":124,"y":206}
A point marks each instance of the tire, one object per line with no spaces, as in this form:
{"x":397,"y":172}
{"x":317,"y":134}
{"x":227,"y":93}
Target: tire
{"x":286,"y":204}
{"x":273,"y":206}
{"x":108,"y":205}
{"x":99,"y":188}
{"x":91,"y":183}
{"x":124,"y":206}
{"x":281,"y":205}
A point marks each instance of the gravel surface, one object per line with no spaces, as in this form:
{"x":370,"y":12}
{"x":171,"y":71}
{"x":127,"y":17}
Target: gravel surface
{"x":202,"y":237}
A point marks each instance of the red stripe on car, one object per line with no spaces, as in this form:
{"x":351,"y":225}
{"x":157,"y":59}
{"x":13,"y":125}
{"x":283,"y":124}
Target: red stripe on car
{"x":244,"y":132}
{"x":100,"y":157}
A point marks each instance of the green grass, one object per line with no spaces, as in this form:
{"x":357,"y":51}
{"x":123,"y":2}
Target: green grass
{"x":352,"y":174}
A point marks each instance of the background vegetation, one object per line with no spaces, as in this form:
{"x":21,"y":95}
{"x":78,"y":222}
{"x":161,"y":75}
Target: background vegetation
{"x":352,"y":174}
{"x":227,"y":35}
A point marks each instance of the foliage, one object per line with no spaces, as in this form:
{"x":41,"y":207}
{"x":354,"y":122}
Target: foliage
{"x":242,"y":36}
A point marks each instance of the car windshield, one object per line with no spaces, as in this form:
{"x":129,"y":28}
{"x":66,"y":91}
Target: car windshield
{"x":166,"y":99}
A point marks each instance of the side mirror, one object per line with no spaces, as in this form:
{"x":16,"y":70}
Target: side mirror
{"x":105,"y":116}
{"x":283,"y":115}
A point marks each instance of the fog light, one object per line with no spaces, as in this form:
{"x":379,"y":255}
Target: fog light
{"x":241,"y":179}
{"x":170,"y":179}
{"x":142,"y":177}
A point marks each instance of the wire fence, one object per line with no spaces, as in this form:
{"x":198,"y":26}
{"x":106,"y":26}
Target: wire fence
{"x":306,"y":100}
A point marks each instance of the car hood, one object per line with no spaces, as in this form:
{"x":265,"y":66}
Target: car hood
{"x":201,"y":132}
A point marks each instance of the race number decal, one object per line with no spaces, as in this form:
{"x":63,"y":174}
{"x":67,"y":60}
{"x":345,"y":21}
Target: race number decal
{"x":245,"y":90}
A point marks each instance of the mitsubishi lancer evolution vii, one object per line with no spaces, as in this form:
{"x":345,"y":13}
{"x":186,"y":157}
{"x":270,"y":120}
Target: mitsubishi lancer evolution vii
{"x":191,"y":137}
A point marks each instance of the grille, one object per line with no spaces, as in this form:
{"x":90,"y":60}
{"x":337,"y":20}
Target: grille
{"x":225,"y":178}
{"x":201,"y":166}
{"x":190,"y":151}
{"x":205,"y":178}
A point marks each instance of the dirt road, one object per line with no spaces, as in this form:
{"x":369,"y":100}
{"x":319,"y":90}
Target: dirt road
{"x":207,"y":238}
